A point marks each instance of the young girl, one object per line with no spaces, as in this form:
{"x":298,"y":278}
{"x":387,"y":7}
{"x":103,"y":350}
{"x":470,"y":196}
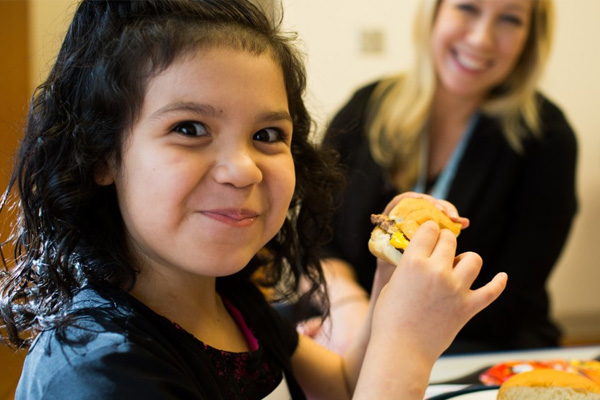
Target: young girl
{"x":166,"y":173}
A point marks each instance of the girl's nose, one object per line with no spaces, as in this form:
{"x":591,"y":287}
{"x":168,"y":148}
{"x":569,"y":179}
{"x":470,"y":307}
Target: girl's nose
{"x":237,"y":167}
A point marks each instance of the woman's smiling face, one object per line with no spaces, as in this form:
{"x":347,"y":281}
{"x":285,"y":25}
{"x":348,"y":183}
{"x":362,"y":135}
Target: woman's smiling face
{"x":207,"y":173}
{"x":476,"y":43}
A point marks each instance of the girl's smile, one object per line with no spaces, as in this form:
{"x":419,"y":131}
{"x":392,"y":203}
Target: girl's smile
{"x":233,"y":217}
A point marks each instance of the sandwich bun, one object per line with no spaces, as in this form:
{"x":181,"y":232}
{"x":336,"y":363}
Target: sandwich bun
{"x":549,"y":384}
{"x":380,"y":247}
{"x":392,"y":233}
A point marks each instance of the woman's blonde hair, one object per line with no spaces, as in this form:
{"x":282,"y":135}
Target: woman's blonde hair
{"x":400,"y":105}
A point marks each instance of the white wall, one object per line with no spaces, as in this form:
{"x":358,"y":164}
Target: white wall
{"x":330,"y":31}
{"x":574,"y":81}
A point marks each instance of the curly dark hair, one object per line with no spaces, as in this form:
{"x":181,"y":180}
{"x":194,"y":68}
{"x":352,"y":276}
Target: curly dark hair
{"x":69,"y":230}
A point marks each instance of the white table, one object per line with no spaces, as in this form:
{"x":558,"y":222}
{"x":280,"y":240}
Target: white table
{"x":455,"y":366}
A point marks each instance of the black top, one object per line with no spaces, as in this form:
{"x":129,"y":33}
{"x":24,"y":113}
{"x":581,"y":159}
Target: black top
{"x":520,"y":206}
{"x":117,"y":348}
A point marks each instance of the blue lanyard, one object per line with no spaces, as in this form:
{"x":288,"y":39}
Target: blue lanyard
{"x":442,"y":185}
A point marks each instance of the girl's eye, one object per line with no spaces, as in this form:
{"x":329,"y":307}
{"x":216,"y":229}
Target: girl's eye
{"x":191,"y":128}
{"x":270,"y":135}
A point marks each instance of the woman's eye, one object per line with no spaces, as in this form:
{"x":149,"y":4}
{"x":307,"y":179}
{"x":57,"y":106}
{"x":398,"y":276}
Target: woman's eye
{"x":191,"y":128}
{"x":269,"y":135}
{"x":468,"y":8}
{"x":512,"y":19}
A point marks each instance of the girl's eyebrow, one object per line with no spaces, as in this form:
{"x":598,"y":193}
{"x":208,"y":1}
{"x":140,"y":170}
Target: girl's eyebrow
{"x":197,"y":108}
{"x":208,"y":110}
{"x":275,"y":116}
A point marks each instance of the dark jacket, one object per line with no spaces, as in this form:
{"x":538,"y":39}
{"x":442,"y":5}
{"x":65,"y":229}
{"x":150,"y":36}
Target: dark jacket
{"x":520,"y":206}
{"x":118,"y":348}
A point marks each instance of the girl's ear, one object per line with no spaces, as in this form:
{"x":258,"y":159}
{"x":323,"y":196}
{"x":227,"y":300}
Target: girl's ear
{"x":104,"y":175}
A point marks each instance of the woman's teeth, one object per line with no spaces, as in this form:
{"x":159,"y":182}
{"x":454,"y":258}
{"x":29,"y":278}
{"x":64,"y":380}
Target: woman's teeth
{"x":476,"y":64}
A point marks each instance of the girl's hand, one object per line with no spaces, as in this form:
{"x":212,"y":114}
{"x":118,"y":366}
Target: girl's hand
{"x":428,"y":297}
{"x":384,"y":269}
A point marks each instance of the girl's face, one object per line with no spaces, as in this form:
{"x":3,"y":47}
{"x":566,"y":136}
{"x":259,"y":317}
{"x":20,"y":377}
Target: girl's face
{"x":207,"y":174}
{"x":476,"y":43}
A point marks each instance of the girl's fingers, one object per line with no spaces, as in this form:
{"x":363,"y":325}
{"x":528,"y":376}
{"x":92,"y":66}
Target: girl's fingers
{"x":432,"y":242}
{"x":424,"y":241}
{"x":485,"y":295}
{"x":445,"y":248}
{"x":467,"y":266}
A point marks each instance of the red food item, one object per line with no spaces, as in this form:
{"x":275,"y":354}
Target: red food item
{"x":499,"y":373}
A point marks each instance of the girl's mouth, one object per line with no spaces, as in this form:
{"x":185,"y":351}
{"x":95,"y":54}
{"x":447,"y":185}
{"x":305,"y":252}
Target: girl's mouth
{"x":240,"y":217}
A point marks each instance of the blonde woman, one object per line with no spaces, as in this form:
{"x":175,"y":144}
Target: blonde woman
{"x":467,"y":124}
